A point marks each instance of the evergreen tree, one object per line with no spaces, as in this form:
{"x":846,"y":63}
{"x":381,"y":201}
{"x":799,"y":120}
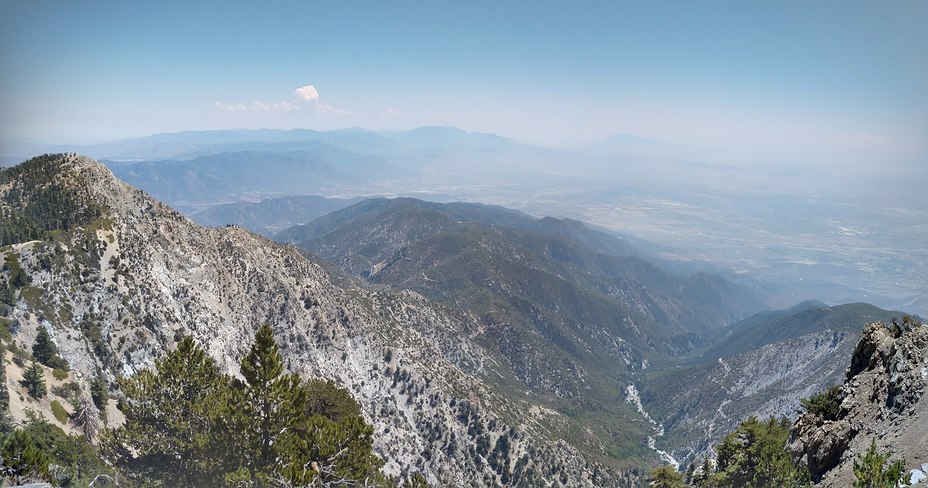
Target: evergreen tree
{"x":100,"y":392}
{"x":871,"y":470}
{"x":188,"y":424}
{"x":326,"y":398}
{"x":284,"y":437}
{"x":666,"y":477}
{"x":34,"y":381}
{"x":23,"y":462}
{"x":76,"y":463}
{"x":755,"y":455}
{"x":44,"y":350}
{"x":169,"y":412}
{"x":415,"y":481}
{"x":267,"y":402}
{"x":826,"y":404}
{"x":7,"y":293}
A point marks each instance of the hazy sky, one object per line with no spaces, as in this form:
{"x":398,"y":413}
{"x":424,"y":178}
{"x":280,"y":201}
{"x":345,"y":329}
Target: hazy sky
{"x":839,"y":83}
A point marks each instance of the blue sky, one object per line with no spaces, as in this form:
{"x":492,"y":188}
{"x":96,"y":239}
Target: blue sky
{"x":830,"y":83}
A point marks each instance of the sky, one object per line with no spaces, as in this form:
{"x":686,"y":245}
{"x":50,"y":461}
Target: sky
{"x":842,"y":84}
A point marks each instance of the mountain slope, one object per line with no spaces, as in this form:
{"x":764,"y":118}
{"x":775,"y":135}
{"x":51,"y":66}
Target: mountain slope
{"x":573,"y":312}
{"x":243,"y":175}
{"x":272,"y":215}
{"x":368,"y":239}
{"x":761,"y":366}
{"x":116,"y":290}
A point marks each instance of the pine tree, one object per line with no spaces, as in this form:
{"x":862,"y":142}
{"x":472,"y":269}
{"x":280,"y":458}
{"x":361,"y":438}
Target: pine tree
{"x":267,"y":403}
{"x":666,"y":477}
{"x":34,"y":381}
{"x":100,"y":392}
{"x":46,"y":352}
{"x":169,"y":414}
{"x":7,"y":293}
{"x":872,"y":472}
{"x":22,"y":460}
{"x":44,"y":349}
{"x":755,"y":455}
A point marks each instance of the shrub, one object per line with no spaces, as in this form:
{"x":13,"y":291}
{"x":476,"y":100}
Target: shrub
{"x":69,"y":391}
{"x":60,"y":413}
{"x":59,"y":374}
{"x":872,"y":472}
{"x":826,"y":405}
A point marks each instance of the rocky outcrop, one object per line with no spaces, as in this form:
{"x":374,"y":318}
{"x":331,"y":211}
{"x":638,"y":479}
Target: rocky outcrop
{"x":884,"y":401}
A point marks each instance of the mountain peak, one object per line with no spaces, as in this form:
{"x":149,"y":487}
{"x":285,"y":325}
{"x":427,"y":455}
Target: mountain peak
{"x":61,"y":191}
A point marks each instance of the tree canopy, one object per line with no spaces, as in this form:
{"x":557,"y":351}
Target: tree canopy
{"x":187,"y":422}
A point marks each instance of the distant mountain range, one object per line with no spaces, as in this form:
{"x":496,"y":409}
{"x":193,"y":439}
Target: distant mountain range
{"x":785,"y":233}
{"x":271,"y":215}
{"x":487,"y":347}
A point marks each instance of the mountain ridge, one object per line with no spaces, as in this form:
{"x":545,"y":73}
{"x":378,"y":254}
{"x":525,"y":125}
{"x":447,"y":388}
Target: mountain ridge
{"x":146,"y":274}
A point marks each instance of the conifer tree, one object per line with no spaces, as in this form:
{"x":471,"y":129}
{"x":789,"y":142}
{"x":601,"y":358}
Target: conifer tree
{"x":22,"y":460}
{"x":872,"y":471}
{"x":666,"y":477}
{"x":34,"y":381}
{"x":99,"y":392}
{"x":43,"y":349}
{"x":169,"y":418}
{"x":267,"y":402}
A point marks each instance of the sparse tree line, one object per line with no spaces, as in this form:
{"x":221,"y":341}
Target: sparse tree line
{"x":189,"y":424}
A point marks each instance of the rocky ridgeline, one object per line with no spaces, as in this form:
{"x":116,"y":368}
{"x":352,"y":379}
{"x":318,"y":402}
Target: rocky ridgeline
{"x":884,"y":400}
{"x":117,"y":292}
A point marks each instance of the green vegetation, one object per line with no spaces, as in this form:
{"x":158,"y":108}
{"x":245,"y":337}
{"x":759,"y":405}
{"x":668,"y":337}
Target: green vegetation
{"x":188,"y":423}
{"x":39,"y":203}
{"x":70,"y":391}
{"x":34,"y":381}
{"x":46,"y":352}
{"x":77,"y":462}
{"x":755,"y":455}
{"x":872,"y":471}
{"x":666,"y":477}
{"x":23,"y":461}
{"x":825,"y":405}
{"x":18,"y":277}
{"x":59,"y":412}
{"x":100,"y":392}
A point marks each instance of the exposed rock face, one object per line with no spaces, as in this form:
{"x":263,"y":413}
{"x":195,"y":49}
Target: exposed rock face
{"x":117,"y":292}
{"x":884,"y":401}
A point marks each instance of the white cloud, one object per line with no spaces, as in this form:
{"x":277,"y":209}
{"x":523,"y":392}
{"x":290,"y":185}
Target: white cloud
{"x":232,"y":107}
{"x":392,"y":112}
{"x":307,"y":93}
{"x":307,"y":97}
{"x":274,"y":107}
{"x":258,"y":106}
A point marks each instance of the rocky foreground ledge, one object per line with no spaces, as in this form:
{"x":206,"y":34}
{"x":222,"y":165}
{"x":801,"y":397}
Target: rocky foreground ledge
{"x":883,"y":401}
